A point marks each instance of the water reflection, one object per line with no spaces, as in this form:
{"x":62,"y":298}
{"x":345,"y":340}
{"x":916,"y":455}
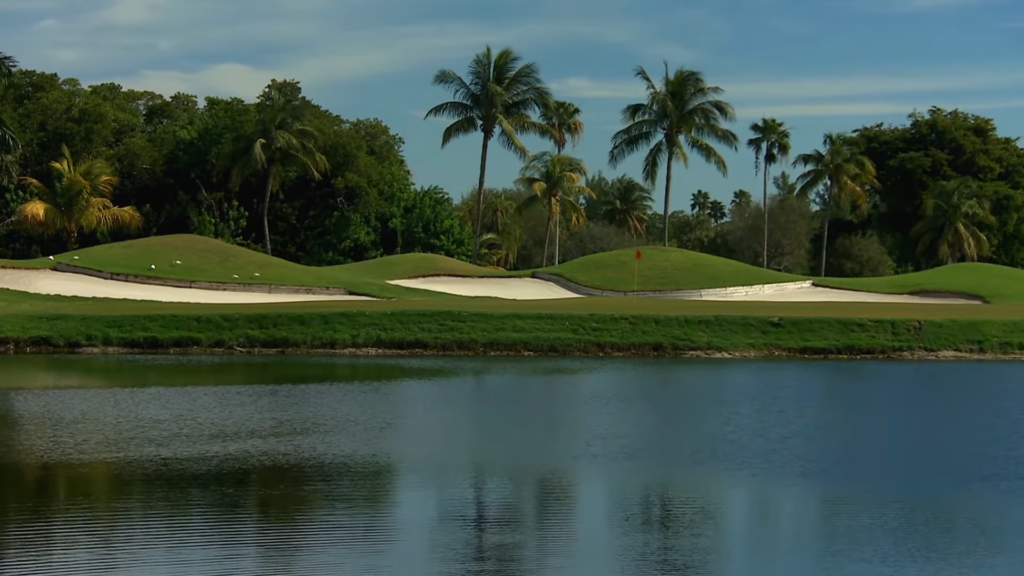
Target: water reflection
{"x":479,"y":467}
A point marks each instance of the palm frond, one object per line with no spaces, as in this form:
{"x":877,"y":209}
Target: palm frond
{"x":453,"y":109}
{"x":655,"y":157}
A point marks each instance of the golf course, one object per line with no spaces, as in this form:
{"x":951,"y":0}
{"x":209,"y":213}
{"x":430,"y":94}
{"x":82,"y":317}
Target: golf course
{"x":961,"y":309}
{"x":174,"y":223}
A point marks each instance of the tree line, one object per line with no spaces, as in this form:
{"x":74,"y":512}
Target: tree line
{"x":83,"y":165}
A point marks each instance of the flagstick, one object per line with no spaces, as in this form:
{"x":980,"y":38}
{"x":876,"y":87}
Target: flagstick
{"x":636,"y":274}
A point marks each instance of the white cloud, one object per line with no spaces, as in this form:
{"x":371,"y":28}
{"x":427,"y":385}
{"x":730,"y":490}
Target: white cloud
{"x":221,"y":79}
{"x":913,"y":6}
{"x":230,"y":46}
{"x":808,"y":88}
{"x":867,"y":108}
{"x":133,"y":11}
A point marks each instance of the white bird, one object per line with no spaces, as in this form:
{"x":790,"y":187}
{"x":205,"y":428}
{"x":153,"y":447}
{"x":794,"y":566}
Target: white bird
{"x":256,"y":275}
{"x":152,"y":266}
{"x":74,"y":257}
{"x":51,"y":257}
{"x":234,"y":275}
{"x":177,"y":262}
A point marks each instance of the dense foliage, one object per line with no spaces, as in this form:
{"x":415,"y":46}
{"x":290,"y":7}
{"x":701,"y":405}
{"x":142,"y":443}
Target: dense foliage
{"x":321,"y":189}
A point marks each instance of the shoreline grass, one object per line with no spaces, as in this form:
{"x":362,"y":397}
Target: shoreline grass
{"x":445,"y":331}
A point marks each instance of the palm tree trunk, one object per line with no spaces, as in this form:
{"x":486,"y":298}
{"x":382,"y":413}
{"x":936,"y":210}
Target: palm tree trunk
{"x":668,"y":192}
{"x":547,"y":235}
{"x":72,"y":235}
{"x":558,"y":226}
{"x":824,"y":244}
{"x":266,"y":206}
{"x":764,"y":197}
{"x":480,"y":198}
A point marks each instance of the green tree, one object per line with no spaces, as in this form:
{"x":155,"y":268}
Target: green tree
{"x":78,"y":200}
{"x":627,"y":205}
{"x":497,"y":99}
{"x":562,"y":124}
{"x":950,"y":229}
{"x":556,"y":180}
{"x":793,"y":219}
{"x":700,"y":202}
{"x":429,"y":224}
{"x":860,"y":255}
{"x":741,"y":203}
{"x":281,"y":141}
{"x":784,"y":184}
{"x":841,"y":173}
{"x":717,"y":211}
{"x":9,"y":145}
{"x":681,"y":113}
{"x":770,"y":145}
{"x":937,"y":146}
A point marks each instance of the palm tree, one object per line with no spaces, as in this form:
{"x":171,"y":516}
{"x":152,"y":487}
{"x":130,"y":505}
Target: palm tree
{"x":497,"y":98}
{"x":717,"y":211}
{"x":949,"y":229}
{"x":741,"y":202}
{"x":9,"y":145}
{"x":627,"y":205}
{"x":79,"y":200}
{"x":562,"y":124}
{"x":281,"y":140}
{"x":681,"y":113}
{"x":784,"y":184}
{"x":842,"y":175}
{"x":700,"y":202}
{"x":770,"y":145}
{"x":555,"y":180}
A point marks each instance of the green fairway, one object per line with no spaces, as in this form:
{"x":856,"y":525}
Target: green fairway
{"x":996,"y":284}
{"x":209,"y":260}
{"x":663,"y":269}
{"x":659,"y":269}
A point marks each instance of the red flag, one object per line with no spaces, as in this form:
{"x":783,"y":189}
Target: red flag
{"x":639,"y":255}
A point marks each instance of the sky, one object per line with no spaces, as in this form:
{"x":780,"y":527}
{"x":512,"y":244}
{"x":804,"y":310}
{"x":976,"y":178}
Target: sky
{"x":818,"y":65}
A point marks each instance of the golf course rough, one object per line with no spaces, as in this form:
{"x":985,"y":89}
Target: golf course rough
{"x":420,"y":321}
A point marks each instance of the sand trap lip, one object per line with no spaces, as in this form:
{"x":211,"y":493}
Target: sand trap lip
{"x":53,"y":283}
{"x":537,"y":289}
{"x":506,"y":288}
{"x":822,"y":294}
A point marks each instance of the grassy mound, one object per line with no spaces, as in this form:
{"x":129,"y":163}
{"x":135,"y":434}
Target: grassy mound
{"x":997,"y":284}
{"x":207,"y":259}
{"x":664,"y":269}
{"x":210,"y":260}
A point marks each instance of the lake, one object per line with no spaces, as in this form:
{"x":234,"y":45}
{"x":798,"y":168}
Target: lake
{"x":592,"y":467}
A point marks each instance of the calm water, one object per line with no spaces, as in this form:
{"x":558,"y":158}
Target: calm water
{"x":204,"y":466}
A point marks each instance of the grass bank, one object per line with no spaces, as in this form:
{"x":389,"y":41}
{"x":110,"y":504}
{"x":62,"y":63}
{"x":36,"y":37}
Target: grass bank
{"x":660,"y":269}
{"x":481,"y":332}
{"x":208,"y":260}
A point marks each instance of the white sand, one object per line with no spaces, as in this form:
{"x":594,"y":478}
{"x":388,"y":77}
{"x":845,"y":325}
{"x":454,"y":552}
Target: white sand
{"x":536,"y":289}
{"x":67,"y":284}
{"x":507,"y":288}
{"x":820,"y":294}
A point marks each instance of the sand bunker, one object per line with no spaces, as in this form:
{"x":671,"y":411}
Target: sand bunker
{"x":536,"y":289}
{"x":65,"y":284}
{"x":507,"y":288}
{"x":820,"y":294}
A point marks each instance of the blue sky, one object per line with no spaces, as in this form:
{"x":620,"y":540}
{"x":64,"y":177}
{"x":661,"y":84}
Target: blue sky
{"x":819,"y":65}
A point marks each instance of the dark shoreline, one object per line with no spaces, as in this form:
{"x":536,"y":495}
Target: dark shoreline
{"x":423,"y":352}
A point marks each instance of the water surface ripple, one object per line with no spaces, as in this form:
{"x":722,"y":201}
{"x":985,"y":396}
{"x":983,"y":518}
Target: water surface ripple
{"x":207,"y":466}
